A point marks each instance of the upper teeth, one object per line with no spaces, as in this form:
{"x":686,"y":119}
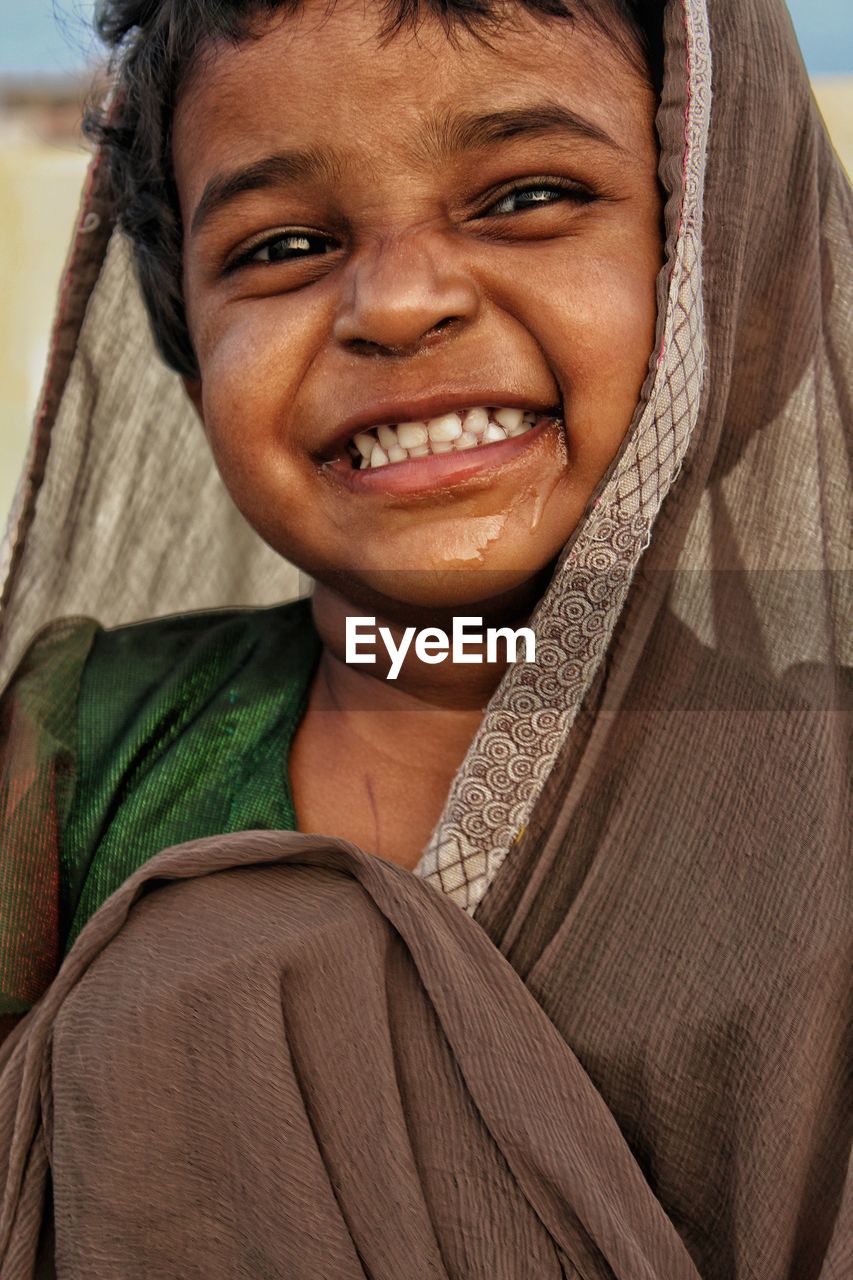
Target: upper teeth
{"x":385,"y":444}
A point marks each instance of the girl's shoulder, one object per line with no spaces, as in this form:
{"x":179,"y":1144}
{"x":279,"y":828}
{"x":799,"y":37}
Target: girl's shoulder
{"x":57,"y":653}
{"x":90,"y":713}
{"x":184,"y":658}
{"x":38,"y":710}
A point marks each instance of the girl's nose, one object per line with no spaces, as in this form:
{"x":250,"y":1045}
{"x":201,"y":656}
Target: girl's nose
{"x":401,"y":297}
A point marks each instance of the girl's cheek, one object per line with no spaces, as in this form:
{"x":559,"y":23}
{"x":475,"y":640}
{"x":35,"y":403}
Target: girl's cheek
{"x":609,"y":339}
{"x":590,"y":309}
{"x":251,"y":366}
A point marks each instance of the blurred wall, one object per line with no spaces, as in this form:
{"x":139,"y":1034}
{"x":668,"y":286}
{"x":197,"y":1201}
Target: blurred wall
{"x":39,"y":191}
{"x":40,"y":186}
{"x":835,"y":99}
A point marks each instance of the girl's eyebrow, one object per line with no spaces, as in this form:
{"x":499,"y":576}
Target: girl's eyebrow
{"x":281,"y":169}
{"x":452,"y":131}
{"x":444,"y":135}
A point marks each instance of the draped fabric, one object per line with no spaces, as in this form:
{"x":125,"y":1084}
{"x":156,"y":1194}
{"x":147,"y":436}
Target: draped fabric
{"x":291,"y":1012}
{"x":653,"y":832}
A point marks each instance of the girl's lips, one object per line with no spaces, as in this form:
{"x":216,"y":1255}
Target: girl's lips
{"x":436,"y":471}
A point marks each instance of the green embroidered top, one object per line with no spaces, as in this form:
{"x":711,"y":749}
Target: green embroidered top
{"x":117,"y":743}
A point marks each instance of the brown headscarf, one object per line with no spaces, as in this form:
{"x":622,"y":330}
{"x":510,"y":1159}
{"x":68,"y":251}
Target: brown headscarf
{"x":653,"y":824}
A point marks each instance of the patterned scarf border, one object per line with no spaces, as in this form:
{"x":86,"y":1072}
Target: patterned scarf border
{"x":532,"y":712}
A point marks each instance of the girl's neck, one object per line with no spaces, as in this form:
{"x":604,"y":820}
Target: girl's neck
{"x":373,"y":758}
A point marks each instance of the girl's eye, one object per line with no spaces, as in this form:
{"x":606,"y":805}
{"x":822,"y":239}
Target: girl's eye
{"x":287,"y":246}
{"x":522,"y":198}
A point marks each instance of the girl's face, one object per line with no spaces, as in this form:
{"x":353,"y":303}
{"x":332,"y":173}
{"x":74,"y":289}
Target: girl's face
{"x":384,"y":234}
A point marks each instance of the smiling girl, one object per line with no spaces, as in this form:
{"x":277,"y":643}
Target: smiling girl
{"x":493,"y":968}
{"x":433,"y":297}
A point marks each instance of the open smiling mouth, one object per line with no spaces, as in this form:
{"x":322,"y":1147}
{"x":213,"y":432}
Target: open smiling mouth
{"x":387,"y":444}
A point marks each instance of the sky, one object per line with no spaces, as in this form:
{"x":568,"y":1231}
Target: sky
{"x":51,"y":36}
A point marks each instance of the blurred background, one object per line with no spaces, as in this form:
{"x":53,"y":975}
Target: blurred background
{"x":48,"y":61}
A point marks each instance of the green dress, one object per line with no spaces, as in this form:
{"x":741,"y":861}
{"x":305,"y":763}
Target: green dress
{"x":117,"y":743}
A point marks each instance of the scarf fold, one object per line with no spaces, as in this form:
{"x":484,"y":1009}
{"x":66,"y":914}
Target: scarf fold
{"x":272,"y":1054}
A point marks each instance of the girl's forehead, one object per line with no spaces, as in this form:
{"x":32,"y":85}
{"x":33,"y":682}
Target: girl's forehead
{"x":350,"y":41}
{"x":338,"y":84}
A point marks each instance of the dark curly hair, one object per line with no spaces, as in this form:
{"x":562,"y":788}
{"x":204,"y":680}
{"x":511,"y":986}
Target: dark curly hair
{"x":156,"y":42}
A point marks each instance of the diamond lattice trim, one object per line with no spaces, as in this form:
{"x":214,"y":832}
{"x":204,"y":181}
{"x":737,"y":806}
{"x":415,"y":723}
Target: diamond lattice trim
{"x":533,"y":710}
